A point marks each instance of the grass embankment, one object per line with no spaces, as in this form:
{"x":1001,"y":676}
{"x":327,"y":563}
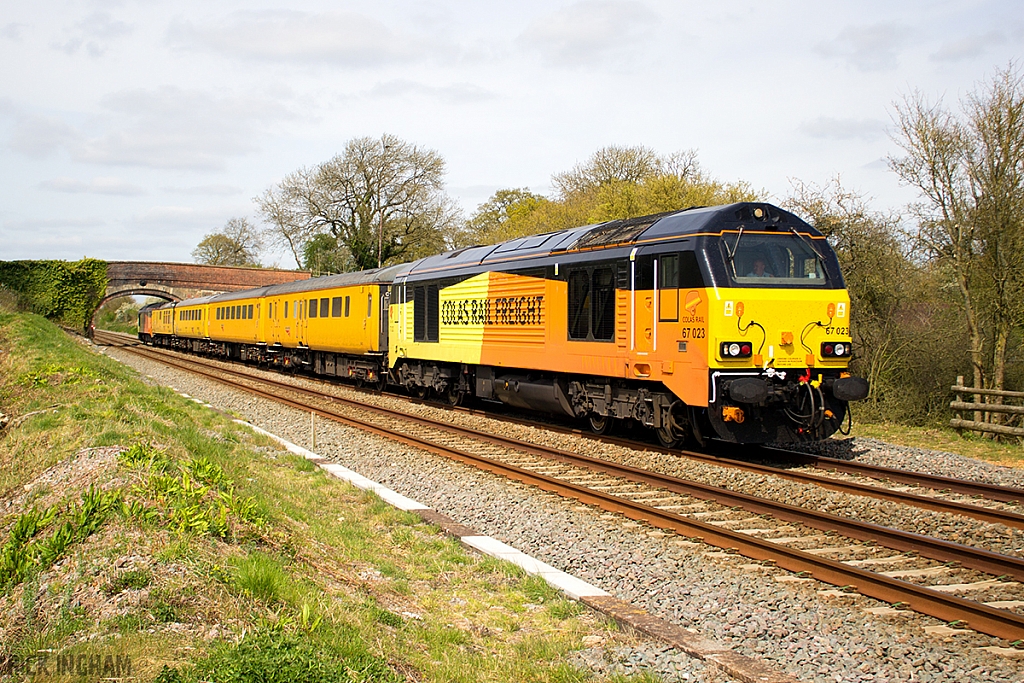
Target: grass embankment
{"x":138,"y":526}
{"x":1008,"y":452}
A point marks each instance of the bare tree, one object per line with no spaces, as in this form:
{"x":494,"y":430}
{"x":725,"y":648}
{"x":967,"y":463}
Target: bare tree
{"x":608,"y":165}
{"x":382,"y":199}
{"x":969,"y":171}
{"x":238,"y":243}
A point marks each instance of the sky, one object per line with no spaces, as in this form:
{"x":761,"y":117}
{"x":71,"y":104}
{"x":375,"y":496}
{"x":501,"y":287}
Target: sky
{"x":129,"y":129}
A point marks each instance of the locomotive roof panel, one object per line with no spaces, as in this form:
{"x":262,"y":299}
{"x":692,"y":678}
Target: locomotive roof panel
{"x":611,"y":234}
{"x":714,"y":219}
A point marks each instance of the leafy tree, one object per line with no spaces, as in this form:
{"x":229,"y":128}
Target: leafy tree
{"x":969,"y":171}
{"x":381,"y":199}
{"x":505,"y":207}
{"x":237,"y":244}
{"x":614,"y":183}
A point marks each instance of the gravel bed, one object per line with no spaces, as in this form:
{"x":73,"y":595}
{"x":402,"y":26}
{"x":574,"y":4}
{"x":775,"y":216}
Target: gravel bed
{"x":789,"y":623}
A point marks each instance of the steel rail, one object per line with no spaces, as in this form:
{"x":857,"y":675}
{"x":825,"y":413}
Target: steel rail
{"x":980,"y":617}
{"x":1004,"y":494}
{"x":988,"y":515}
{"x":936,"y":549}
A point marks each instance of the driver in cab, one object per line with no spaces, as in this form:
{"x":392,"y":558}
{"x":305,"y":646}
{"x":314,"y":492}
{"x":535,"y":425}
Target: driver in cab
{"x":758,"y":269}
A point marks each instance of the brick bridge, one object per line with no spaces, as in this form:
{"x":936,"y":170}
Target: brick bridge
{"x":177,"y":281}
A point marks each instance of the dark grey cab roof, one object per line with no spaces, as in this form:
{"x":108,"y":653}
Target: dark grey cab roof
{"x":618,"y":233}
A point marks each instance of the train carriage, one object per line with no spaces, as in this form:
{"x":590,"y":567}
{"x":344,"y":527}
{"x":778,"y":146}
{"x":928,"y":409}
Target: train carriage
{"x":236,"y":318}
{"x":335,"y":324}
{"x":192,"y":321}
{"x":161,"y":322}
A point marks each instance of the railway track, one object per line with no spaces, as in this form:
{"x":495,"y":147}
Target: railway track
{"x":795,"y":539}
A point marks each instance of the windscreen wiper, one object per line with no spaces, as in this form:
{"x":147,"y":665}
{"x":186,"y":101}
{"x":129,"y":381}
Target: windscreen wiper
{"x":735,"y":246}
{"x":821,"y":259}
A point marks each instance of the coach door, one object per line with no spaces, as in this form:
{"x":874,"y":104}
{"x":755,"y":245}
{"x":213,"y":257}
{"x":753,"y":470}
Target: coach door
{"x":300,"y":310}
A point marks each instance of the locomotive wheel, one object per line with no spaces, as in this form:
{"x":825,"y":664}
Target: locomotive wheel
{"x":420,"y":392}
{"x":667,"y":437}
{"x":381,"y":383}
{"x":599,"y":424}
{"x":453,"y":396}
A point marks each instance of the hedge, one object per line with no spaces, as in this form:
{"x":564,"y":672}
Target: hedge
{"x":64,"y":291}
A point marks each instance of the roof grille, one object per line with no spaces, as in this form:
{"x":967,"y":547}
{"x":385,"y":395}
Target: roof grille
{"x":618,"y":232}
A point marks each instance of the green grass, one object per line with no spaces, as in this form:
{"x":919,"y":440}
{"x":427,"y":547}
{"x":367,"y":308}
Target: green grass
{"x":1009,"y":452}
{"x":325,"y":582}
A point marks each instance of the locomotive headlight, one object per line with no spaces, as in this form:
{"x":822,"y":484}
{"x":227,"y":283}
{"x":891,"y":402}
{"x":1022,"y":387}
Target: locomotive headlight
{"x":836,"y":350}
{"x":731,"y":350}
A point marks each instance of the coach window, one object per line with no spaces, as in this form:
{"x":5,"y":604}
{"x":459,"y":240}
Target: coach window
{"x":348,"y":301}
{"x":325,"y":307}
{"x":369,"y":305}
{"x":252,"y":315}
{"x":285,"y":309}
{"x":312,"y":308}
{"x":336,"y":307}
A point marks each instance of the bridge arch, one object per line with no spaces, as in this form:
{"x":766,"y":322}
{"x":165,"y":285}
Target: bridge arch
{"x":132,"y":291}
{"x":179,"y":281}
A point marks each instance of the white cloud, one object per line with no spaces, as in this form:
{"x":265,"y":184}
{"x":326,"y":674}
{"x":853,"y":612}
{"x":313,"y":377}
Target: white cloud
{"x":967,"y":48}
{"x":11,"y":31}
{"x":165,"y":128}
{"x":826,"y":127}
{"x":868,"y":48}
{"x":221,"y":190}
{"x":99,"y":185}
{"x":95,"y":33}
{"x":39,"y":136}
{"x":589,"y":32}
{"x":348,"y":38}
{"x":457,"y":93}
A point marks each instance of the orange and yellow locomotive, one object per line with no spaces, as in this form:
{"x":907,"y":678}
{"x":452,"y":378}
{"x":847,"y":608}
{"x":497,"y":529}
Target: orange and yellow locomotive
{"x":728,"y":322}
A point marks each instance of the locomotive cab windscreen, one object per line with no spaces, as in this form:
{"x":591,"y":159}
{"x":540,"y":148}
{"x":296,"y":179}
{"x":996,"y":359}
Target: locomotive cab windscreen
{"x":776,"y":260}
